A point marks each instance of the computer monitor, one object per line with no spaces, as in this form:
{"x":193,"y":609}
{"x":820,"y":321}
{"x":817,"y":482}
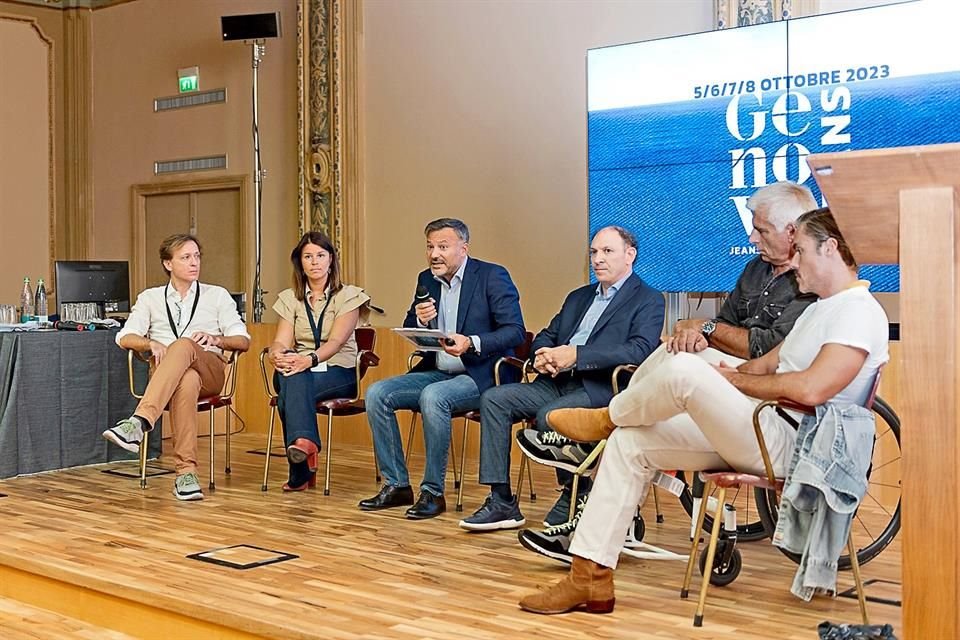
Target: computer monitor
{"x":106,"y":283}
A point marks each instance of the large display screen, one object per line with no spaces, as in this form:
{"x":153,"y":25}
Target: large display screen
{"x":681,"y":131}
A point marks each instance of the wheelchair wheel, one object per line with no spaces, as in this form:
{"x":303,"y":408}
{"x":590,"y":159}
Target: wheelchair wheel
{"x":749,"y":526}
{"x":877,"y":521}
{"x":722,"y":574}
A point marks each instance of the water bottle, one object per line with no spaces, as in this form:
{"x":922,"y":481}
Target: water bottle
{"x":40,"y":303}
{"x":26,"y":302}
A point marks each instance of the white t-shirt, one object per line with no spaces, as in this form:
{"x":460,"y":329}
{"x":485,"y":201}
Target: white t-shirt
{"x":852,"y":318}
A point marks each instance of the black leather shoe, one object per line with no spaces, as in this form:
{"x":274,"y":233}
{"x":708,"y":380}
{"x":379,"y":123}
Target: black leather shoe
{"x":387,"y":498}
{"x":428,"y":506}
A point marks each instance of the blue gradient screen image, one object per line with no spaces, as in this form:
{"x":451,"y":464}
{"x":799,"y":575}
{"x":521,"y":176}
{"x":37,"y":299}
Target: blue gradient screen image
{"x":681,"y":131}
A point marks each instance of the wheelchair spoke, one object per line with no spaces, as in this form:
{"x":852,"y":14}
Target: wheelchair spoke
{"x":878,"y":503}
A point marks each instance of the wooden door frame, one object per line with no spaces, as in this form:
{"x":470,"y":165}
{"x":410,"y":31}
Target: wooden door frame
{"x":140,"y":253}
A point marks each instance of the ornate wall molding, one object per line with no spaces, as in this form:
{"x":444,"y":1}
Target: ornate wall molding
{"x":740,"y":13}
{"x":329,"y":195}
{"x":78,"y":160}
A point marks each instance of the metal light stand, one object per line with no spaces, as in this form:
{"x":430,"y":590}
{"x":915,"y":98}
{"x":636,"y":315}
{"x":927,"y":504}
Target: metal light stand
{"x":258,"y":174}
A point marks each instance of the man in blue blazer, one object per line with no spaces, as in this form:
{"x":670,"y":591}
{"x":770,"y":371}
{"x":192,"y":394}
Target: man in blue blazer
{"x":600,"y":326}
{"x":477,"y":306}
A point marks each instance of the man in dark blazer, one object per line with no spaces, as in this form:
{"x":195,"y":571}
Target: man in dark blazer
{"x":600,"y":326}
{"x":477,"y":306}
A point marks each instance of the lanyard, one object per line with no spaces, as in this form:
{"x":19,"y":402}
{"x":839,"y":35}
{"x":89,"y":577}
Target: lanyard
{"x":173,"y":325}
{"x":313,"y":323}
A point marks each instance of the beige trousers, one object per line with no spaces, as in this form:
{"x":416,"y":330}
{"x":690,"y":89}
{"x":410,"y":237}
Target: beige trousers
{"x":185,"y":374}
{"x":679,"y":414}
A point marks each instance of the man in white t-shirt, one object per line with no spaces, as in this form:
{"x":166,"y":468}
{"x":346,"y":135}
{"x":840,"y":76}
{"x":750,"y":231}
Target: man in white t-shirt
{"x":186,"y":326}
{"x":689,"y":414}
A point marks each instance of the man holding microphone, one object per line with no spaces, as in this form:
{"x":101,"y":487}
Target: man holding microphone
{"x":477,"y":306}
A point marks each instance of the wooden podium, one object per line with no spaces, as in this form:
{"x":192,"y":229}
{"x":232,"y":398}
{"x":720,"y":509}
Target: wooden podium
{"x":903,"y":205}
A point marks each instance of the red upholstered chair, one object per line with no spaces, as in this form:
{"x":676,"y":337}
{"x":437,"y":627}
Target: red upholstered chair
{"x":728,"y":479}
{"x":366,"y":338}
{"x":208,"y":404}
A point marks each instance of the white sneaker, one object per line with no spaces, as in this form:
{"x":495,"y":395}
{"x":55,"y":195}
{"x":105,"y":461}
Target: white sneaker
{"x":187,"y":487}
{"x":127,"y":434}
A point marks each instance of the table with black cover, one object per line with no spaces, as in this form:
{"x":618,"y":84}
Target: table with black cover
{"x":59,"y":390}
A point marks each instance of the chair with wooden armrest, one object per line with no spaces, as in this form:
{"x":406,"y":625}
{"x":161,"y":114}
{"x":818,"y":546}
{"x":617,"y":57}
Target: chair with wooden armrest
{"x":207,"y":404}
{"x":366,"y":338}
{"x":729,"y":567}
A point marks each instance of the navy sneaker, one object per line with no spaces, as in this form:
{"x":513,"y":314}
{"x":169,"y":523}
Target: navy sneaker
{"x":560,"y":512}
{"x":555,"y":450}
{"x":496,"y":513}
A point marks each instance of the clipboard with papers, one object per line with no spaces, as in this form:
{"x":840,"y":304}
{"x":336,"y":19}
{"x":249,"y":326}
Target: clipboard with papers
{"x":424,"y":339}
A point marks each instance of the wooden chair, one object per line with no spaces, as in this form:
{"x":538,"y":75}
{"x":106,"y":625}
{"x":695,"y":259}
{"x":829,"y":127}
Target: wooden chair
{"x":208,"y":404}
{"x":366,"y":338}
{"x":728,"y":479}
{"x":520,"y":361}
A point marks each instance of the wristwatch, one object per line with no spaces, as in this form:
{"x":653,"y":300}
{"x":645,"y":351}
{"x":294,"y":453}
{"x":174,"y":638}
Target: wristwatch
{"x":708,"y":328}
{"x":314,"y":359}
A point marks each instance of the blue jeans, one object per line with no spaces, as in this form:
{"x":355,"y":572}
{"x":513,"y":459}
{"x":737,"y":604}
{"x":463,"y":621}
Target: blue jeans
{"x":297,"y":398}
{"x":436,"y":395}
{"x":501,"y":406}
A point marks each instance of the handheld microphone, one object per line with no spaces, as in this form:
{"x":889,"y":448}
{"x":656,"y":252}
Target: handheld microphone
{"x":424,"y":296}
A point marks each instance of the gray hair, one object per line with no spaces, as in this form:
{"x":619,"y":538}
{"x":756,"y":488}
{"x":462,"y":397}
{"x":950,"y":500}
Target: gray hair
{"x":628,"y":238}
{"x":782,"y":202}
{"x":449,"y":223}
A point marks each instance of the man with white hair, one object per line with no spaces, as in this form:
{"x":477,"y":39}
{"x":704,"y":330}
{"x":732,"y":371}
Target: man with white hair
{"x":755,"y":318}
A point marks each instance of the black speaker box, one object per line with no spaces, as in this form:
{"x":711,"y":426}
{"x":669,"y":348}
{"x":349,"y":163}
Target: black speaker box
{"x":250,"y":26}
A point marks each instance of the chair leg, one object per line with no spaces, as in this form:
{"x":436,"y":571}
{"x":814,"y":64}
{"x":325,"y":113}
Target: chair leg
{"x":453,"y":461}
{"x":855,"y":565}
{"x":326,"y":470}
{"x":463,"y":460}
{"x":413,"y":428}
{"x":694,"y":548}
{"x":711,"y":552}
{"x":144,"y":452}
{"x":212,"y":484}
{"x":656,"y":504}
{"x":533,"y":491}
{"x":376,"y":465}
{"x":226,"y":468}
{"x":574,"y":496}
{"x":266,"y":462}
{"x":523,"y":460}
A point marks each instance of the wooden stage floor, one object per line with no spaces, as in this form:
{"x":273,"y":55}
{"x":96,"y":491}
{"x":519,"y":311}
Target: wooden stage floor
{"x":94,"y":547}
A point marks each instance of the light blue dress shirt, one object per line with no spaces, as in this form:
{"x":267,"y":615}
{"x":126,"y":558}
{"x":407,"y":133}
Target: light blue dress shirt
{"x":600,"y":303}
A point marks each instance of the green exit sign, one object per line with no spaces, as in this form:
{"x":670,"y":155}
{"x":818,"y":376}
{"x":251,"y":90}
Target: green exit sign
{"x":189,"y":83}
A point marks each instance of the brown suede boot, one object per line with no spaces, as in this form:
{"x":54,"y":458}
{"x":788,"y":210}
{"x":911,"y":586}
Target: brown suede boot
{"x":582,"y":425}
{"x":588,"y":586}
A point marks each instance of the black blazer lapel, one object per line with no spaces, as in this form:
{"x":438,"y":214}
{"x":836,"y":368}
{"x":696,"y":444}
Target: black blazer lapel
{"x":580,"y":310}
{"x":626,"y":292}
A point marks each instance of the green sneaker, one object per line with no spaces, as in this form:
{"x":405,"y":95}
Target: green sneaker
{"x":127,"y":434}
{"x":187,"y":487}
